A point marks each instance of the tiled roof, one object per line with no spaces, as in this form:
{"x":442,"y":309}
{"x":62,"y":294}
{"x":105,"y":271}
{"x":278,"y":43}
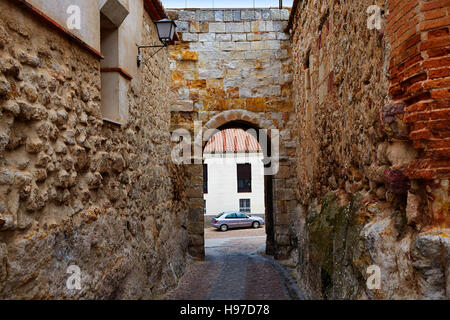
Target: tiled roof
{"x":232,"y":140}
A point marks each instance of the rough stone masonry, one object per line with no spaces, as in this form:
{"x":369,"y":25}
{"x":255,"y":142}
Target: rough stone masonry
{"x":373,"y":148}
{"x":75,"y":190}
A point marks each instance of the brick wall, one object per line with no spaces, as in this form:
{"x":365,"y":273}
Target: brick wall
{"x":420,"y":80}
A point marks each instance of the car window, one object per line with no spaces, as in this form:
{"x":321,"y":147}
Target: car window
{"x":219,"y":215}
{"x":231,"y":216}
{"x":242,"y":216}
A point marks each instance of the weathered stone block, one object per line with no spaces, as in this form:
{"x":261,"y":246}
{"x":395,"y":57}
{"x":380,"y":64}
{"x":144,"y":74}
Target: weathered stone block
{"x":189,"y":37}
{"x":218,"y":15}
{"x":228,"y":15}
{"x":234,"y":27}
{"x":205,"y":15}
{"x":227,"y":46}
{"x":183,"y":26}
{"x":223,"y":37}
{"x":258,"y":26}
{"x":207,"y":37}
{"x":275,"y":14}
{"x":248,"y":14}
{"x":217,"y":27}
{"x":236,"y":15}
{"x":186,"y":15}
{"x":265,"y":14}
{"x":284,"y":14}
{"x":239,"y":37}
{"x":254,"y":36}
{"x":242,"y":46}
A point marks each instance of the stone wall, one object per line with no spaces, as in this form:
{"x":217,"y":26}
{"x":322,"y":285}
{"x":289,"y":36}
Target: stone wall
{"x":75,"y":190}
{"x":235,"y":66}
{"x":359,"y":206}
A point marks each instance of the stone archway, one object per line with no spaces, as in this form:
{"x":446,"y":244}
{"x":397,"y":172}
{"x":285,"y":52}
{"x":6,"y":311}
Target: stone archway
{"x":218,"y":78}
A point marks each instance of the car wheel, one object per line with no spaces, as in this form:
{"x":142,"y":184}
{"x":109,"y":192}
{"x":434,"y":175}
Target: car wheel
{"x":255,"y":224}
{"x":223,"y":227}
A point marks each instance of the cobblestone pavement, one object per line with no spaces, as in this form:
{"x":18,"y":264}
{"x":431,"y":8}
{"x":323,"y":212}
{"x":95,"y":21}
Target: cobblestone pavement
{"x":235,"y":268}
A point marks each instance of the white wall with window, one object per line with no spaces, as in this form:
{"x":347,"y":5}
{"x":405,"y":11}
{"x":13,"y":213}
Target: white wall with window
{"x":234,"y":179}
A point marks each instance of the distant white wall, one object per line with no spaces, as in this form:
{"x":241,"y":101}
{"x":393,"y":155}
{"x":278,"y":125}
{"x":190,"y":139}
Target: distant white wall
{"x":222,"y":183}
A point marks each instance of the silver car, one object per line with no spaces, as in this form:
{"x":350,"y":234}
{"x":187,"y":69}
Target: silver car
{"x":227,"y":220}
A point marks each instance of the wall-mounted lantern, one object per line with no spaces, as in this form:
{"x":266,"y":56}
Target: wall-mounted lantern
{"x":166,"y":32}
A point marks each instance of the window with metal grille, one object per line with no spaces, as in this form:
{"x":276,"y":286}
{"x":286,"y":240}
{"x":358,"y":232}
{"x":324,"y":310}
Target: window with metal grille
{"x":244,"y":205}
{"x":244,"y":177}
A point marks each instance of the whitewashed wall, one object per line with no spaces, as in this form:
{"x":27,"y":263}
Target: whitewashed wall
{"x":222,"y":183}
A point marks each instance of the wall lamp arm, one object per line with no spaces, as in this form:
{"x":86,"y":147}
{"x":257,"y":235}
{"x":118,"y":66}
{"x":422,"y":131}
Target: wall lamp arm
{"x":140,"y":58}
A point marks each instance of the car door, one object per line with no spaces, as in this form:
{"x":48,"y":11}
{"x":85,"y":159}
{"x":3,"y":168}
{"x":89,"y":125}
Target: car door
{"x":230,"y":220}
{"x":243,"y":220}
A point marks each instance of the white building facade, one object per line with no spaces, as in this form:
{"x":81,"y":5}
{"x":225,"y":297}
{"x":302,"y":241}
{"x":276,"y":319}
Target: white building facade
{"x":233,"y":174}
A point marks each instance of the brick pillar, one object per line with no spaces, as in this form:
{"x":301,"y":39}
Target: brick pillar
{"x":420,"y":84}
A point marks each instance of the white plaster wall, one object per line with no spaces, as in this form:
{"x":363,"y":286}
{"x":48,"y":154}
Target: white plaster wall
{"x":90,"y":17}
{"x":130,"y":35}
{"x":130,"y":32}
{"x":222,"y":183}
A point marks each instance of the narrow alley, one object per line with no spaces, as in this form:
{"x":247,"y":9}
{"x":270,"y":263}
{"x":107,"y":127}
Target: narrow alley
{"x":129,"y":127}
{"x":235,"y":268}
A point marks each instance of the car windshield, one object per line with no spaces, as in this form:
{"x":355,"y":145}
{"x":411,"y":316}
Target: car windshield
{"x":219,"y":215}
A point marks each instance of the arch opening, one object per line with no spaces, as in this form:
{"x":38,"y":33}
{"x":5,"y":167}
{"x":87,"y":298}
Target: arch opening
{"x":258,"y":200}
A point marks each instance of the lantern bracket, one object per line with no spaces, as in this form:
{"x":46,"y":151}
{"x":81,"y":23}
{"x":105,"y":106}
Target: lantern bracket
{"x":140,"y":58}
